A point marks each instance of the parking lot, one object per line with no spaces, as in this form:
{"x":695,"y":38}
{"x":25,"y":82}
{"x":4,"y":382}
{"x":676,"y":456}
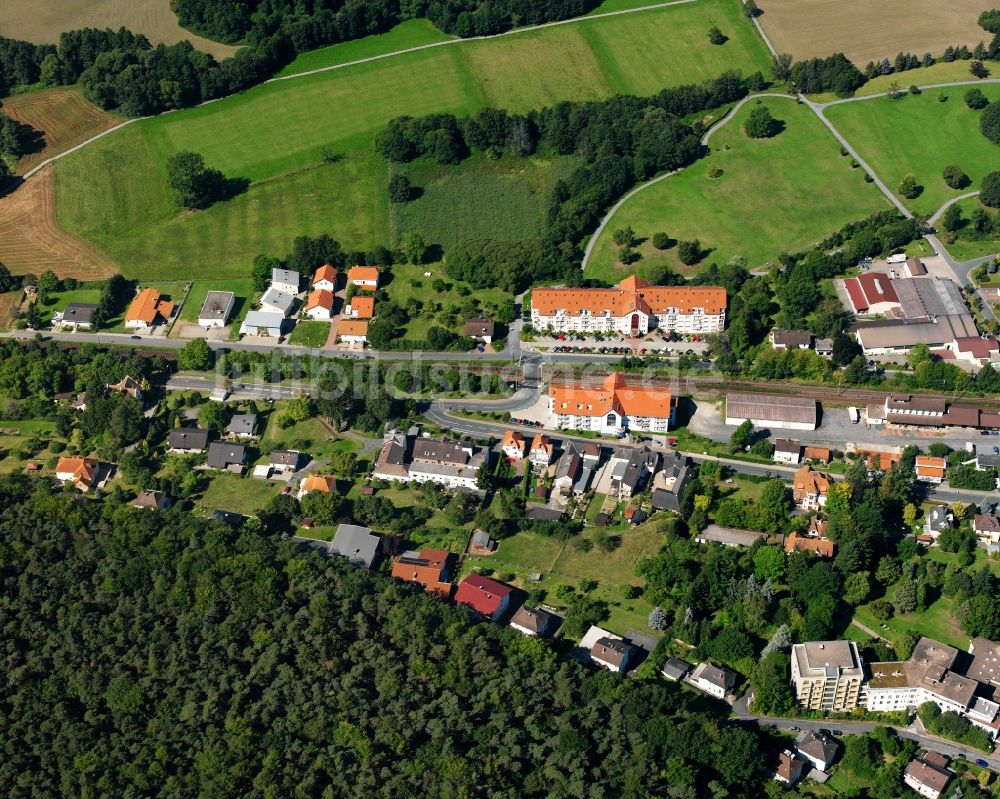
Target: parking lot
{"x":670,"y":346}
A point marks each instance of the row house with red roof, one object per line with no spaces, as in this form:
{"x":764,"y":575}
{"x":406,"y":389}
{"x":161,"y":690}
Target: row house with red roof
{"x":633,"y":307}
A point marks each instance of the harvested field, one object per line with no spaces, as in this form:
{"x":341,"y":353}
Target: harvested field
{"x":43,"y":22}
{"x":8,"y":304}
{"x":869,"y":31}
{"x":62,"y":115}
{"x":31,"y":241}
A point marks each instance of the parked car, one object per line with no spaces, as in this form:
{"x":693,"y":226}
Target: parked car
{"x":981,"y":763}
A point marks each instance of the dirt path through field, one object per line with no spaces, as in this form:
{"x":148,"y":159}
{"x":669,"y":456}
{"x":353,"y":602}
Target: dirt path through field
{"x":31,"y":241}
{"x":42,"y":22}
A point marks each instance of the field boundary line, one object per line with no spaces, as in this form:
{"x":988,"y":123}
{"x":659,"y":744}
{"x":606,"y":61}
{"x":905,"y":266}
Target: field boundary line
{"x":723,"y":120}
{"x":760,"y":30}
{"x":951,"y":85}
{"x":513,"y":32}
{"x":79,"y":146}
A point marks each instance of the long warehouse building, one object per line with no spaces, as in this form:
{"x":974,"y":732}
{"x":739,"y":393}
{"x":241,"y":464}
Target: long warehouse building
{"x":770,"y":410}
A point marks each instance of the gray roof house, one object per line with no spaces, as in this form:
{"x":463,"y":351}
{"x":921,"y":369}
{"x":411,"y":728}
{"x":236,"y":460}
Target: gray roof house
{"x":818,"y":748}
{"x":939,"y":520}
{"x":671,"y":481}
{"x":631,"y":470}
{"x":188,"y":439}
{"x":284,"y":459}
{"x":79,"y":313}
{"x":243,"y":425}
{"x":286,"y":280}
{"x":262,"y":323}
{"x":275,"y":301}
{"x":224,"y":455}
{"x":358,"y":544}
{"x":533,"y":621}
{"x":216,"y":309}
{"x":675,"y":669}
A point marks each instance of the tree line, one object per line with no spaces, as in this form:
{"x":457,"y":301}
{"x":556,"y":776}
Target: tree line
{"x":621,"y":141}
{"x":168,"y":655}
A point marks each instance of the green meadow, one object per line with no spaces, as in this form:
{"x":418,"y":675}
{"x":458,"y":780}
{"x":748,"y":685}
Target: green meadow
{"x":114,"y":192}
{"x":811,"y":191}
{"x":921,"y":135}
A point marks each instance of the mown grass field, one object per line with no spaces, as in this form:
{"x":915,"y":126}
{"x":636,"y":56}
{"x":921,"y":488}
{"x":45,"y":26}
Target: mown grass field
{"x":59,"y":301}
{"x":865,"y":31}
{"x":941,"y":72}
{"x":309,"y":333}
{"x":811,"y":191}
{"x":480,"y":198}
{"x":919,"y":134}
{"x":965,"y":248}
{"x":114,"y":193}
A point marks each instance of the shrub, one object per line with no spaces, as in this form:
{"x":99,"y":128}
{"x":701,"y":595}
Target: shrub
{"x":715,"y":172}
{"x":955,"y":177}
{"x":690,"y":252}
{"x":760,"y":123}
{"x":715,"y":36}
{"x":661,"y":240}
{"x":400,"y":190}
{"x":908,"y":186}
{"x":974,"y":98}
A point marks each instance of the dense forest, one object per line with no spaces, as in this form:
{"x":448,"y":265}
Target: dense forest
{"x":152,"y":653}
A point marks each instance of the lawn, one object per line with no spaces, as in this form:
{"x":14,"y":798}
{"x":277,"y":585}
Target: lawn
{"x":919,"y":135}
{"x":240,"y":494}
{"x":311,"y":437}
{"x":811,"y":192}
{"x":501,"y":199}
{"x":310,"y":334}
{"x":59,"y":301}
{"x":941,"y":72}
{"x":243,"y":289}
{"x":964,"y":248}
{"x":114,"y":192}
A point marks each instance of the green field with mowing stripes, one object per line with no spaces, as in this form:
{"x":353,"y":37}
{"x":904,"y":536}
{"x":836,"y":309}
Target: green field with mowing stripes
{"x":919,"y":134}
{"x":811,"y":191}
{"x":114,"y":192}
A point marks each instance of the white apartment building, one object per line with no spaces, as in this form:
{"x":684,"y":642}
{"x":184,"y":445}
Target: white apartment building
{"x":633,"y":308}
{"x":612,"y":408}
{"x":827,"y":675}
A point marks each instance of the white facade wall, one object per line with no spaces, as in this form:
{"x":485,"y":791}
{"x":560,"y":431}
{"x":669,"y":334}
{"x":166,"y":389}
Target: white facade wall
{"x":319,"y":313}
{"x":690,"y":323}
{"x":771,"y":423}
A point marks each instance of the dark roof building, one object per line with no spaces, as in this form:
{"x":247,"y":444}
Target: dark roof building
{"x":791,"y":339}
{"x":358,"y":544}
{"x":188,"y":439}
{"x":151,"y":500}
{"x":243,"y":425}
{"x":480,"y":328}
{"x":285,"y":458}
{"x":675,"y":669}
{"x":223,"y":455}
{"x":79,"y":313}
{"x":613,"y":654}
{"x":533,"y":621}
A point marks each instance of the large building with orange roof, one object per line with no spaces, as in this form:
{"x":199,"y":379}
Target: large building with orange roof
{"x":633,"y":307}
{"x":147,"y":309}
{"x":612,"y":407}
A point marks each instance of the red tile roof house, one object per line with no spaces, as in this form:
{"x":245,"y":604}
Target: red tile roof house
{"x":485,"y":596}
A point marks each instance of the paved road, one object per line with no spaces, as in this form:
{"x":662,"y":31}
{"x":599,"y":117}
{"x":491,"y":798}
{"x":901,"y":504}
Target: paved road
{"x":933,"y":218}
{"x":962,"y":271}
{"x":913,"y":732}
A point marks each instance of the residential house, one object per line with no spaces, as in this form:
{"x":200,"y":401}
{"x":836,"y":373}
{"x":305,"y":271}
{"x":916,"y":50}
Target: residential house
{"x":284,"y":461}
{"x":480,"y":543}
{"x":127,"y":385}
{"x":76,"y":315}
{"x":976,"y":351}
{"x":540,"y":453}
{"x":816,"y":454}
{"x":228,"y":517}
{"x":612,"y":408}
{"x":987,"y":456}
{"x":827,"y":675}
{"x":485,"y":596}
{"x":631,"y":468}
{"x":353,"y":333}
{"x":263,"y":324}
{"x":633,"y":308}
{"x":187,"y":440}
{"x":591,"y":452}
{"x":512,"y":445}
{"x":824,"y":347}
{"x":568,"y":470}
{"x":480,"y":330}
{"x":285,"y":280}
{"x":361,"y":306}
{"x":534,"y":621}
{"x":613,"y":654}
{"x":409,"y":458}
{"x":358,"y":544}
{"x":675,"y":669}
{"x":728,"y":536}
{"x":938,"y":520}
{"x":325,"y":484}
{"x":243,"y":425}
{"x":818,"y":748}
{"x":149,"y":499}
{"x":364,"y":277}
{"x":790,"y":768}
{"x":277,"y":302}
{"x":809,"y":488}
{"x":790,"y":339}
{"x":821,"y":546}
{"x":216,"y":309}
{"x":772,"y":411}
{"x":925,"y":778}
{"x":227,"y":456}
{"x":715,"y":681}
{"x":987,"y":528}
{"x":931,"y":469}
{"x":787,"y":451}
{"x":670,"y":482}
{"x":319,"y":306}
{"x":914,"y":267}
{"x":325,"y":279}
{"x":79,"y":402}
{"x":428,"y":567}
{"x":82,"y":473}
{"x":148,"y":309}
